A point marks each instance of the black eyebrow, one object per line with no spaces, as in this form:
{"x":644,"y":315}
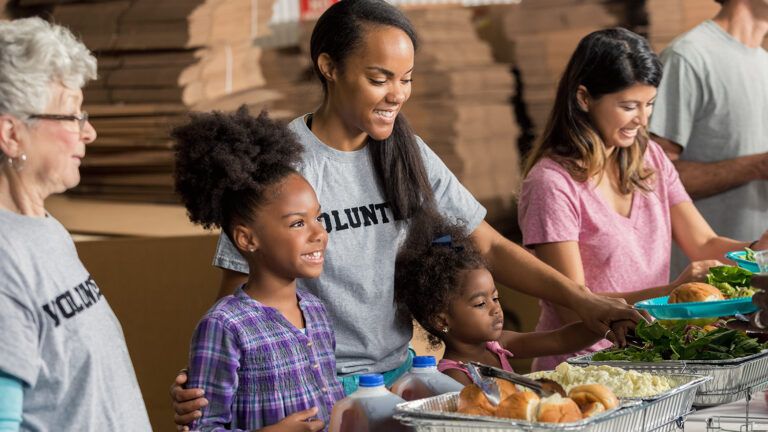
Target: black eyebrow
{"x":637,"y":101}
{"x":386,"y":72}
{"x":304,"y":214}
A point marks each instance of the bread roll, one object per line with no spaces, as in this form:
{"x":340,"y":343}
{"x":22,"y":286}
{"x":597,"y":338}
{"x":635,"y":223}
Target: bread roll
{"x":593,"y":398}
{"x":591,"y":409}
{"x":557,"y":409}
{"x":473,"y":401}
{"x":521,"y":405}
{"x":506,"y":388}
{"x":695,"y":292}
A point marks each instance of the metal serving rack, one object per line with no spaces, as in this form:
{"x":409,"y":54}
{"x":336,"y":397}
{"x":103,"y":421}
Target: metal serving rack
{"x":662,"y":413}
{"x":744,"y":424}
{"x":725,"y":423}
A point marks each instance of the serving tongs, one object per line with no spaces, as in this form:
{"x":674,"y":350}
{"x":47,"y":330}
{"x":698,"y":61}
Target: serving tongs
{"x":634,"y":340}
{"x":487,"y":385}
{"x":543,"y":387}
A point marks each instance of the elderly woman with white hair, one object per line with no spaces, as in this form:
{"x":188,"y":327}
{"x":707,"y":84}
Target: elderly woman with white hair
{"x":64,"y":364}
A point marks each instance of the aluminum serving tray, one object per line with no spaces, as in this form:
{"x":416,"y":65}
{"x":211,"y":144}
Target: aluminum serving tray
{"x":659,"y":413}
{"x":730,"y":378}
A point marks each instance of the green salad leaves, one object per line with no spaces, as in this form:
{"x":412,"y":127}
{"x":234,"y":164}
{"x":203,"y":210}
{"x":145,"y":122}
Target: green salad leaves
{"x":749,"y":255}
{"x":731,"y":281}
{"x":682,"y":341}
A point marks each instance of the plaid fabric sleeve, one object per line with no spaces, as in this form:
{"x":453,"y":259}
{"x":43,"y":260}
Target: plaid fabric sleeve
{"x":213,"y":364}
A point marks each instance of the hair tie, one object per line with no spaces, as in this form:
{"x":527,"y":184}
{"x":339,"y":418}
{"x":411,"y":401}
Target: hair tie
{"x":446,"y":241}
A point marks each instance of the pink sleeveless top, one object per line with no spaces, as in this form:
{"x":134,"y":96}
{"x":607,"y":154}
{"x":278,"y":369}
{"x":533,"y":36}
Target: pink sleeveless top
{"x":492,"y":346}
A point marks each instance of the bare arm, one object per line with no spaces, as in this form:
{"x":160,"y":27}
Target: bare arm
{"x":459,"y":376}
{"x":567,"y":339}
{"x":566,"y":258}
{"x":704,"y":179}
{"x":514,"y":267}
{"x":697,"y":239}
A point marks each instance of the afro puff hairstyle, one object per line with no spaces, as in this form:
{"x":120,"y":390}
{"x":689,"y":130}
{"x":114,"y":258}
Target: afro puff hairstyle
{"x":226,"y":161}
{"x":428,"y":274}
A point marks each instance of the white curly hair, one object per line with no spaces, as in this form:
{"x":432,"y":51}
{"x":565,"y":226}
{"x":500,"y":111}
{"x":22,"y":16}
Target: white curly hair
{"x":34,"y":54}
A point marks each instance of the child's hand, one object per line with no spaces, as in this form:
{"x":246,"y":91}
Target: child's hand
{"x":297,"y":422}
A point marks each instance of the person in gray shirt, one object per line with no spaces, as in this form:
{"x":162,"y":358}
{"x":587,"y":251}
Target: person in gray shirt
{"x":64,"y":365}
{"x":711,"y":117}
{"x":372,"y":174}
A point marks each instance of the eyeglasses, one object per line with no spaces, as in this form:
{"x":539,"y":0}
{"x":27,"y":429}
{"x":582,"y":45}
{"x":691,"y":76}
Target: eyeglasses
{"x":81,"y":119}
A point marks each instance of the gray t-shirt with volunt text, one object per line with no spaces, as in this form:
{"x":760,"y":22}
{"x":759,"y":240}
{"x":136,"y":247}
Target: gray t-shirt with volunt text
{"x":713,"y":101}
{"x":357,"y":285}
{"x":60,"y":337}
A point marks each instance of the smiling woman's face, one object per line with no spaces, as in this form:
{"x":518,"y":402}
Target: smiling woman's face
{"x":54,"y":148}
{"x":375,"y":82}
{"x":619,"y":116}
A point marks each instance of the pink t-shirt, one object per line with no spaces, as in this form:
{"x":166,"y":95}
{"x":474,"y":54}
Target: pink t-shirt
{"x":619,"y":254}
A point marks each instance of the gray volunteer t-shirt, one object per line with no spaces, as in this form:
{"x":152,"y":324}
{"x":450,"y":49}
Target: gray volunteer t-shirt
{"x":713,"y":101}
{"x":356,"y":285}
{"x":60,"y":337}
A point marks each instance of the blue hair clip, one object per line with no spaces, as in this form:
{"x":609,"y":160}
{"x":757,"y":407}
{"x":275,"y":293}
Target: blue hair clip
{"x":447,"y":241}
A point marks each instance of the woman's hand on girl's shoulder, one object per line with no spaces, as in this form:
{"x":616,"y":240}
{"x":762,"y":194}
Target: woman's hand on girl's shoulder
{"x":187,"y":403}
{"x":301,"y":421}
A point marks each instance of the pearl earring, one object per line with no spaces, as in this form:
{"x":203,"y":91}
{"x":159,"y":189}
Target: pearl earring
{"x":445,"y":329}
{"x":18,"y":163}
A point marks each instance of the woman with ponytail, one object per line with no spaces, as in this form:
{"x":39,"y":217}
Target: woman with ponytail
{"x":372,"y":174}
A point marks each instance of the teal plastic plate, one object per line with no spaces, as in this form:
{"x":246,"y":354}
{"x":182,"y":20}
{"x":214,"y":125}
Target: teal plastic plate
{"x":659,"y":308}
{"x":738,"y":258}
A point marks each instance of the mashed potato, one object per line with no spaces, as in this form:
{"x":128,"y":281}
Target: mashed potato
{"x":623,"y":383}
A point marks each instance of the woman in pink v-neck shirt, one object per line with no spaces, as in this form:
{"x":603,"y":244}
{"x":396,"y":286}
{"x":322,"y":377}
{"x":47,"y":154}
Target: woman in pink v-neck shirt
{"x":601,"y":203}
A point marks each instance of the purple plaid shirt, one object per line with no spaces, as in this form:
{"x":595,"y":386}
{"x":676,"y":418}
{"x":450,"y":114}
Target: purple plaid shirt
{"x":257,"y":368}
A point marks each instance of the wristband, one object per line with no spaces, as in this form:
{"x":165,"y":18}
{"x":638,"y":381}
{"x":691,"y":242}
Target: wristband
{"x":752,"y":245}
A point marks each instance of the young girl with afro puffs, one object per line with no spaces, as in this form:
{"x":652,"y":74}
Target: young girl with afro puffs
{"x":444,"y":283}
{"x":264,"y":355}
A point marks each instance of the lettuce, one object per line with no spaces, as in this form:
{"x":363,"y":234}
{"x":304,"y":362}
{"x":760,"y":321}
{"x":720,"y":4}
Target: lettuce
{"x":682,"y":341}
{"x":730,"y":280}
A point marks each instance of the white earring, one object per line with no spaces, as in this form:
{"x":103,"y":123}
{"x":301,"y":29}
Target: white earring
{"x":18,"y":163}
{"x":445,"y":329}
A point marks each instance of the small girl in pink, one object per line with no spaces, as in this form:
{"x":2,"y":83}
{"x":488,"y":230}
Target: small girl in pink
{"x":442,"y":281}
{"x":601,"y":202}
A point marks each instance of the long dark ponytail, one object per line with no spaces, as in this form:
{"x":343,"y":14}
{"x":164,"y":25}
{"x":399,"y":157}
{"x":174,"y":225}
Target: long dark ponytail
{"x":399,"y":166}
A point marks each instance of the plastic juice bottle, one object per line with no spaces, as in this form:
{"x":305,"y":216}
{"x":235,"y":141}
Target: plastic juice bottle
{"x":424,"y":380}
{"x":369,"y":409}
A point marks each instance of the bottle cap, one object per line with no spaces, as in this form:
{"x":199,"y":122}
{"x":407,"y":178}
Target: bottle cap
{"x":371,"y":380}
{"x":424,"y":361}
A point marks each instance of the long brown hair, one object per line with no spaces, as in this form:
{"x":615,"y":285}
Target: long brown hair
{"x":606,"y":61}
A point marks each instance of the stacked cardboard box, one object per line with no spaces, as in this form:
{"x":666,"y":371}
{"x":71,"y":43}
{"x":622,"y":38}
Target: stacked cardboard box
{"x":460,"y":105}
{"x":542,"y":36}
{"x":157,"y":60}
{"x":182,"y":51}
{"x":668,"y":19}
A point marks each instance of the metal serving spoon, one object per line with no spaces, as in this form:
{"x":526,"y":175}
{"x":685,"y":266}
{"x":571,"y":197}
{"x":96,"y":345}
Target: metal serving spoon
{"x":543,"y":387}
{"x":487,"y":385}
